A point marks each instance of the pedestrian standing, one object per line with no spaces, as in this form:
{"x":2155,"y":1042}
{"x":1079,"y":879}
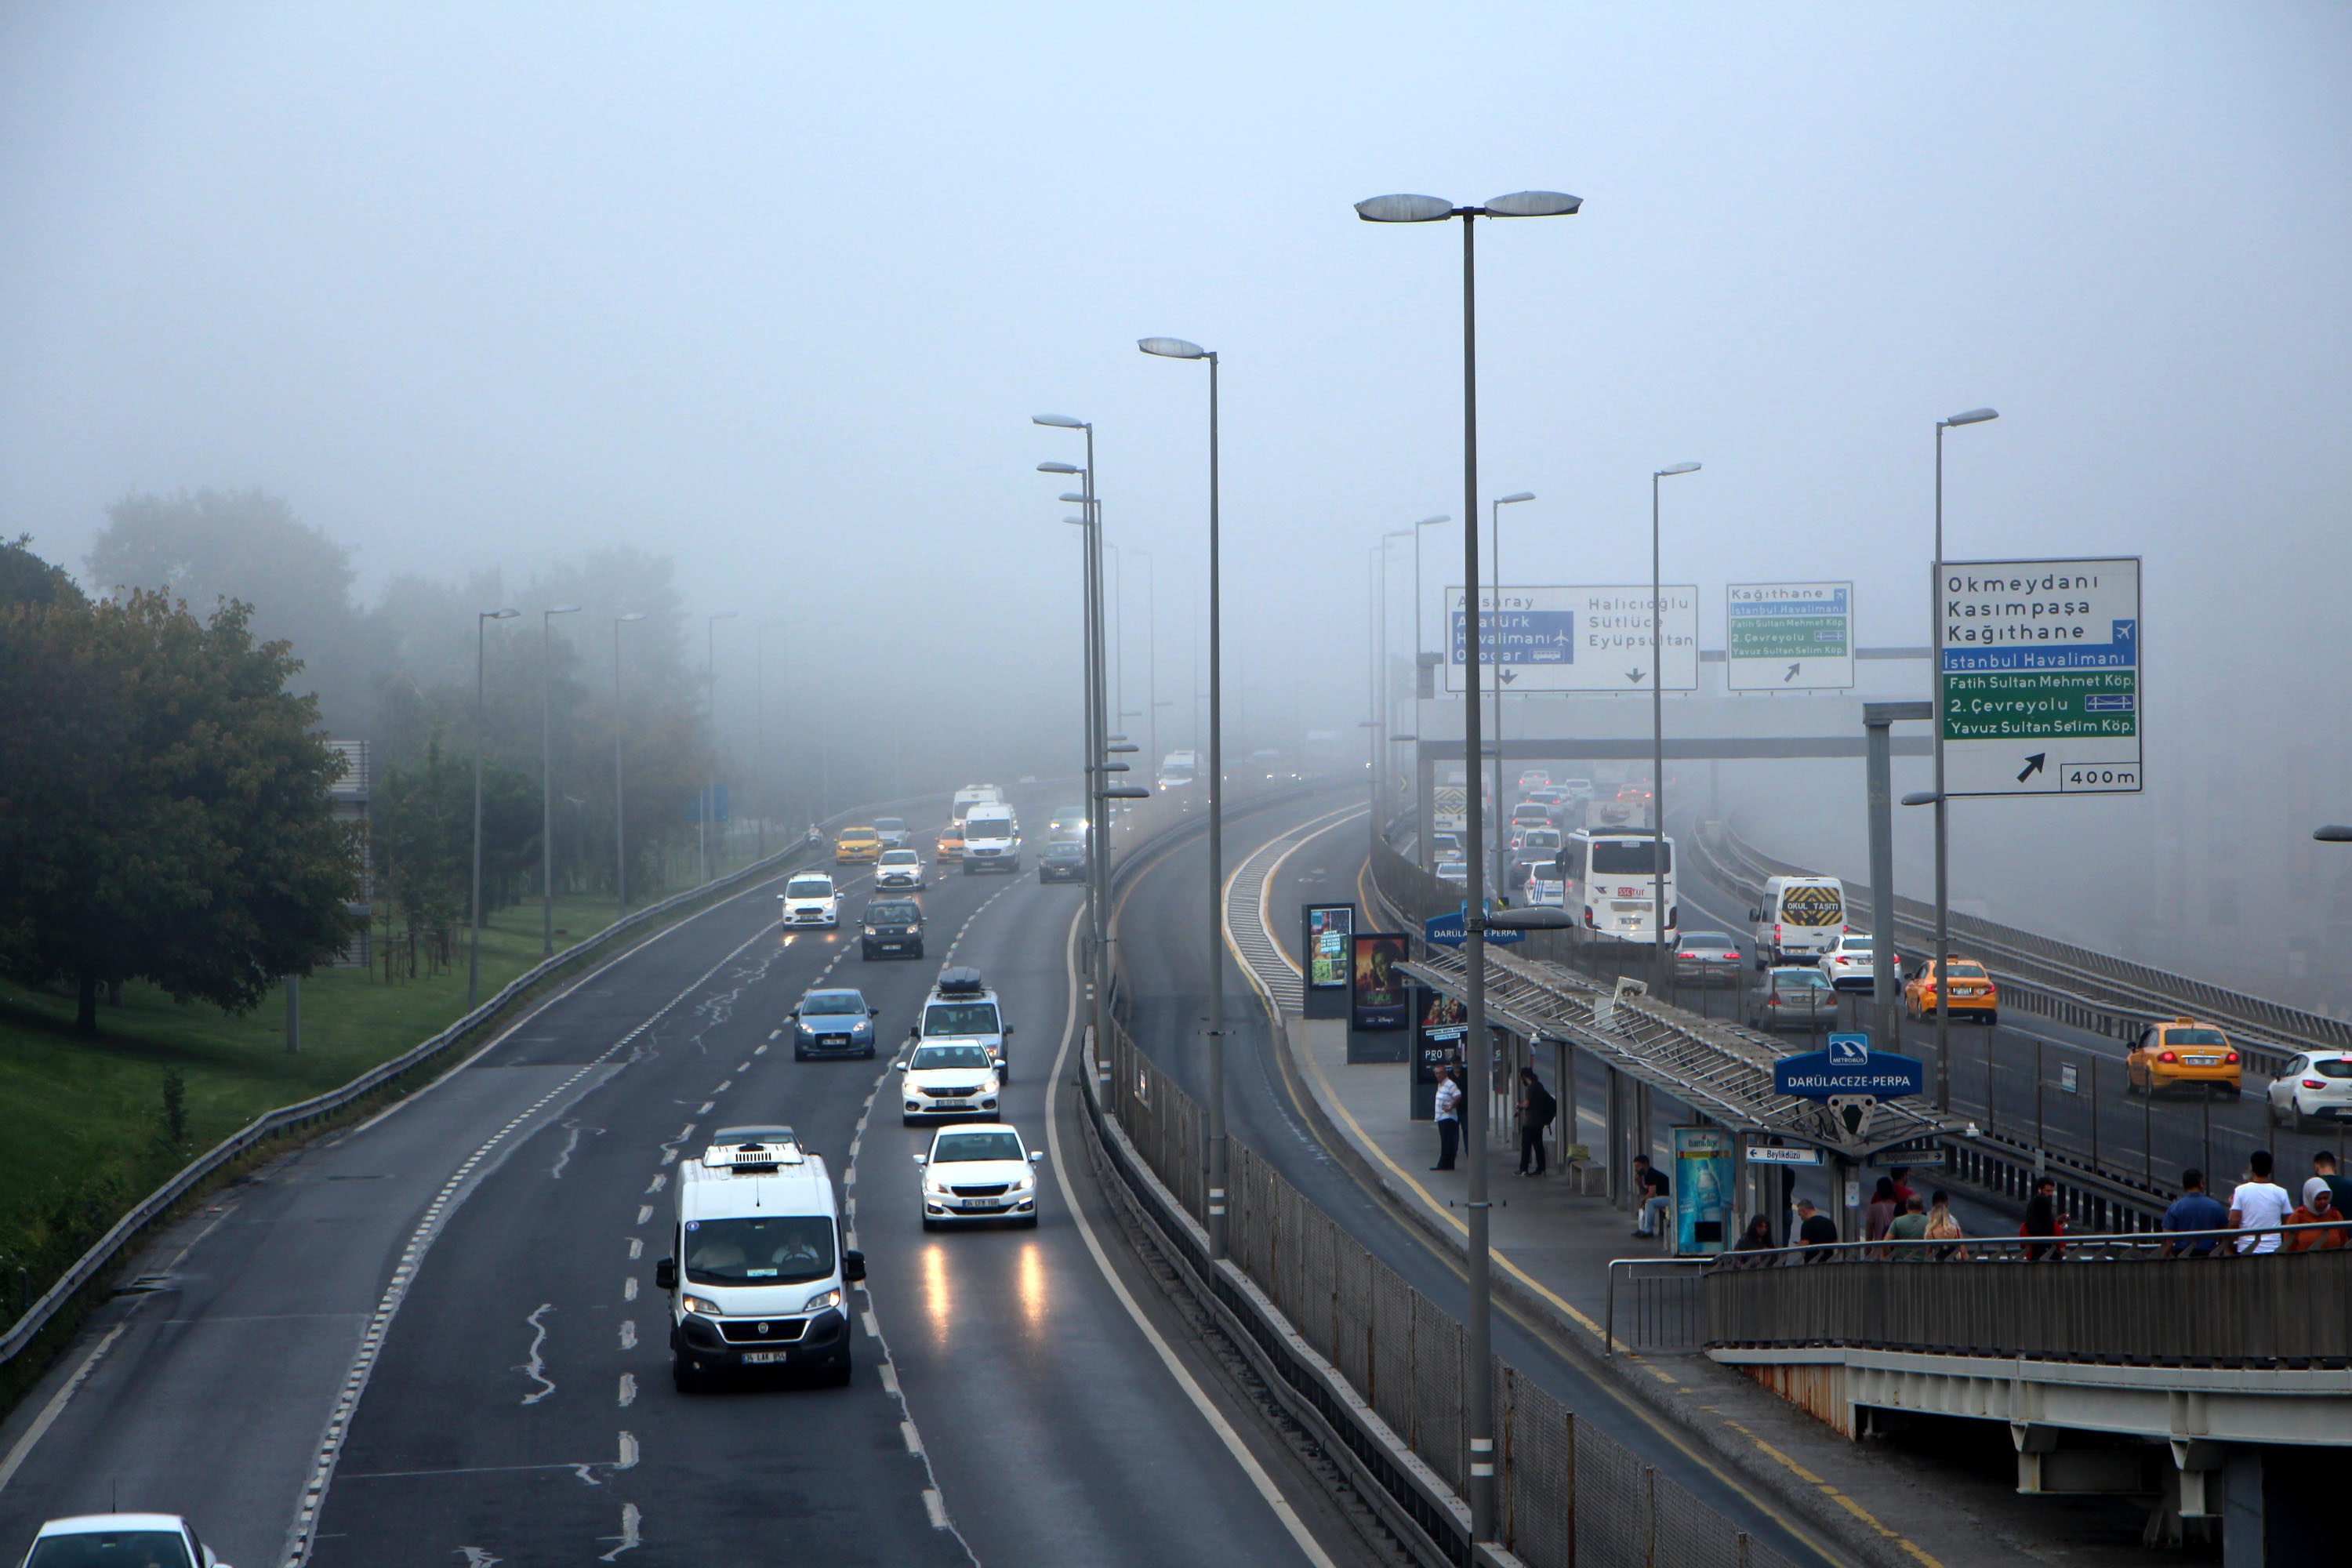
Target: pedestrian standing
{"x":2339,"y":1186}
{"x":2318,"y":1208}
{"x":2259,"y":1206}
{"x":2042,"y":1218}
{"x":1449,"y":1118}
{"x":1650,"y":1184}
{"x":1911,"y":1224}
{"x":2195,"y":1209}
{"x":1816,"y":1230}
{"x":1537,"y":1109}
{"x":1879,"y":1216}
{"x":1901,"y":1176}
{"x":1942,"y":1227}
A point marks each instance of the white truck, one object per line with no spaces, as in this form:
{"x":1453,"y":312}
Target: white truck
{"x":1799,"y":920}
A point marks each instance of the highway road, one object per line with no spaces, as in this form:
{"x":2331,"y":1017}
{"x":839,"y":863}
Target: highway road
{"x":1161,"y":921}
{"x":435,"y":1337}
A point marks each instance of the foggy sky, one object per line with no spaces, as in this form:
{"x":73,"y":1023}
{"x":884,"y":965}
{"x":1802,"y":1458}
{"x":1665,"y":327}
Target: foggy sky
{"x":776,"y":289}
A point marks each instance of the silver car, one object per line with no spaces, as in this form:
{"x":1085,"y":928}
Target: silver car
{"x":1793,"y":997}
{"x":1708,"y":958}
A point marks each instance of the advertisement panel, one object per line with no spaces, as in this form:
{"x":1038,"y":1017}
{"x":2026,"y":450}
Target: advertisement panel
{"x":1570,"y":638}
{"x":1329,"y":927}
{"x":2041,"y":670}
{"x":1439,"y":1024}
{"x":1789,"y":637}
{"x":1702,"y":1181}
{"x":1378,"y":999}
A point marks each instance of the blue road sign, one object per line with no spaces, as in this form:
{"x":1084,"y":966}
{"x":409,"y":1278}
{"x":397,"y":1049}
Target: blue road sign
{"x":1448,"y":931}
{"x":1849,"y":1050}
{"x":1817,"y":1075}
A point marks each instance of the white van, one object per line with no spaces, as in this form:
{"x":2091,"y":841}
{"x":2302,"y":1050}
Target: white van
{"x":991,"y":839}
{"x":1802,"y":919}
{"x":759,"y":1274}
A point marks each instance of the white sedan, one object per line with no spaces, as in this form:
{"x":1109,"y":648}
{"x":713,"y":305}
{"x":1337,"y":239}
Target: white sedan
{"x":1848,"y":961}
{"x":978,"y":1172}
{"x":163,"y":1539}
{"x":899,"y":868}
{"x":2314,"y":1086}
{"x":947,"y":1078}
{"x":809,"y":900}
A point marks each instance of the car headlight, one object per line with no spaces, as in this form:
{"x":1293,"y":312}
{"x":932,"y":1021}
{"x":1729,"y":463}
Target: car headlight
{"x":820,"y":1301}
{"x":697,"y":1304}
{"x":864,"y":1027}
{"x":935,"y":1187}
{"x":871,"y":932}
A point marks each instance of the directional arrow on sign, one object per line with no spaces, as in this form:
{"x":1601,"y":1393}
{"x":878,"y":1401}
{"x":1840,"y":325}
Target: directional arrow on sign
{"x":2032,"y":765}
{"x":1507,"y":675}
{"x":1633,"y":677}
{"x":1792,"y":673}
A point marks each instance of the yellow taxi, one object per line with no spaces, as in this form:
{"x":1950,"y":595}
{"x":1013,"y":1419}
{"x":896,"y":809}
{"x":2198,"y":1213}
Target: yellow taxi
{"x":951,"y":842}
{"x":2182,"y":1054}
{"x":1974,"y":996}
{"x":856,"y":844}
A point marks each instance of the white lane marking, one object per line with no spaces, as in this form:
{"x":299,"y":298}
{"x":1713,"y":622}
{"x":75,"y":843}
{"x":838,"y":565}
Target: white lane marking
{"x":644,"y":1213}
{"x":914,"y":1439}
{"x":873,"y":1330}
{"x":659,"y":1182}
{"x":636,"y":1247}
{"x":475,"y":1557}
{"x":723,"y":1088}
{"x":628,"y":1389}
{"x":1311,"y":1549}
{"x":629,"y":1289}
{"x":57,"y":1405}
{"x":936,"y":1506}
{"x":535,"y":1368}
{"x":705,"y":1109}
{"x":774,"y":1035}
{"x":741,"y":1066}
{"x":630,"y":1520}
{"x":629,"y":1333}
{"x":628,"y":1459}
{"x":890,"y":1380}
{"x":760,"y":1050}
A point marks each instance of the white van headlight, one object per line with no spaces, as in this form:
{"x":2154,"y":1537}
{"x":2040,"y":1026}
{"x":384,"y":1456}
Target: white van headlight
{"x":820,"y":1301}
{"x":697,"y":1304}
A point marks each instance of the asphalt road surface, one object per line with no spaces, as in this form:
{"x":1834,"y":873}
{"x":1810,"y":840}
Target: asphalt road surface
{"x":435,"y":1338}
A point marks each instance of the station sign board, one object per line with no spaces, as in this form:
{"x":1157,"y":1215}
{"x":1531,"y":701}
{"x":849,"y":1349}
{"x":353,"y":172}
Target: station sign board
{"x":2041,"y":675}
{"x":1781,"y":1154}
{"x":1567,"y":638}
{"x":1454,"y":929}
{"x":1849,"y":1067}
{"x":1789,"y":637}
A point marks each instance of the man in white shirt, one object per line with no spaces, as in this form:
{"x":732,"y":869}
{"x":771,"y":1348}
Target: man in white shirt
{"x":2259,"y":1206}
{"x":1449,"y":1120}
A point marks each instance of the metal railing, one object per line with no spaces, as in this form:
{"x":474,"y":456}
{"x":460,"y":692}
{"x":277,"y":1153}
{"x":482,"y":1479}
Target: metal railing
{"x":2124,"y":1299}
{"x":1389,"y":1365}
{"x":103,"y":1253}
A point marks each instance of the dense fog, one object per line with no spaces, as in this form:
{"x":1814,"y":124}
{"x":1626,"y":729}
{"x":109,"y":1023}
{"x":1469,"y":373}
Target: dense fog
{"x":377,"y":320}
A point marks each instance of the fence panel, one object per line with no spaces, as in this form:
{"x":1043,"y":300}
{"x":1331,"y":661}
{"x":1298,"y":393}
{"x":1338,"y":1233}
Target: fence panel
{"x":1612,"y":1502}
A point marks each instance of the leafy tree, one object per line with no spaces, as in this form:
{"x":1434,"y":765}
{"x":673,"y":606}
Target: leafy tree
{"x":164,"y":806}
{"x":26,"y":579}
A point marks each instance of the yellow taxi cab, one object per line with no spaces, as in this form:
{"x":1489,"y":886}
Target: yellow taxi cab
{"x":1974,"y":995}
{"x":856,"y":844}
{"x":2182,"y":1054}
{"x":951,"y":842}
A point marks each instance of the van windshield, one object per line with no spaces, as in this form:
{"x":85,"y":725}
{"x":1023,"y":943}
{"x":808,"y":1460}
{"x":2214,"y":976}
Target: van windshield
{"x":1629,"y":857}
{"x":779,"y":1249}
{"x":959,"y":1018}
{"x":112,"y":1548}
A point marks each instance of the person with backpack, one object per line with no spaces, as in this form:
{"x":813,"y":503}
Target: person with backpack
{"x":1537,"y":1109}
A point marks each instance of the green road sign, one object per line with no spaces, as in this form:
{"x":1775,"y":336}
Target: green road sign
{"x":2040,"y":666}
{"x":1789,"y":637}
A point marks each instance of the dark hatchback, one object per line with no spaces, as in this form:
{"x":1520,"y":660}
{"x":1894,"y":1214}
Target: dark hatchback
{"x":1063,"y":860}
{"x":892,"y":926}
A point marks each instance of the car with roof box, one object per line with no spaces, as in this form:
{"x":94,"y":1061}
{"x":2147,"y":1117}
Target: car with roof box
{"x":760,"y":1265}
{"x":963,"y":1007}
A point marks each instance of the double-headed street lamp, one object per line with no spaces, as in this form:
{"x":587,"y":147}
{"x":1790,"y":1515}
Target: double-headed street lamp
{"x":1094,"y":777}
{"x":546,"y":782}
{"x":1178,"y":348}
{"x":620,"y":817}
{"x":1943,"y":806}
{"x":1471,"y":624}
{"x":1479,"y":1324}
{"x":1658,"y":735}
{"x":482,"y":619}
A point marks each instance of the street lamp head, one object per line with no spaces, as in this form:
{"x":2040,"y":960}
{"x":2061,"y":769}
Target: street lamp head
{"x":1973,"y":416}
{"x":1432,"y":521}
{"x":1171,"y":348}
{"x":1535,"y":204}
{"x":1404,"y":209}
{"x":1397,"y":533}
{"x":564,"y":610}
{"x":2334,"y":833}
{"x":724,"y":614}
{"x":1071,"y":497}
{"x":1921,"y":797}
{"x":1059,"y":468}
{"x":1074,"y":521}
{"x":500,"y":615}
{"x":1059,"y":422}
{"x":632,"y":615}
{"x":1515,"y":497}
{"x":1667,"y":473}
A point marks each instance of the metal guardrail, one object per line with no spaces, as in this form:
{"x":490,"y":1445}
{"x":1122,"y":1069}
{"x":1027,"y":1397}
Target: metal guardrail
{"x":103,"y":1253}
{"x":2075,"y":985}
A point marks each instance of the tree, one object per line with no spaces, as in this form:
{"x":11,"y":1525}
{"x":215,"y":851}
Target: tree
{"x":164,"y":806}
{"x":26,"y":579}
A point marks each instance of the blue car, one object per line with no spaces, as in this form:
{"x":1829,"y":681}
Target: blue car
{"x":832,"y":1024}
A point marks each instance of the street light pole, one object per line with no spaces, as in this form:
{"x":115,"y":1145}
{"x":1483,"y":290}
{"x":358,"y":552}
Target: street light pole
{"x":1658,"y":742}
{"x":1478,"y":1325}
{"x":1943,"y":806}
{"x":482,"y":618}
{"x":760,"y":770}
{"x":546,"y":782}
{"x":1177,"y":348}
{"x":1419,"y":810}
{"x":1495,"y":567}
{"x":620,"y":817}
{"x":1094,"y":779}
{"x":711,"y":716}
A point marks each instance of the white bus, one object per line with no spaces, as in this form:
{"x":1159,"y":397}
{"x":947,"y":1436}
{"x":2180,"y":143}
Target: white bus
{"x":1610,"y":876}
